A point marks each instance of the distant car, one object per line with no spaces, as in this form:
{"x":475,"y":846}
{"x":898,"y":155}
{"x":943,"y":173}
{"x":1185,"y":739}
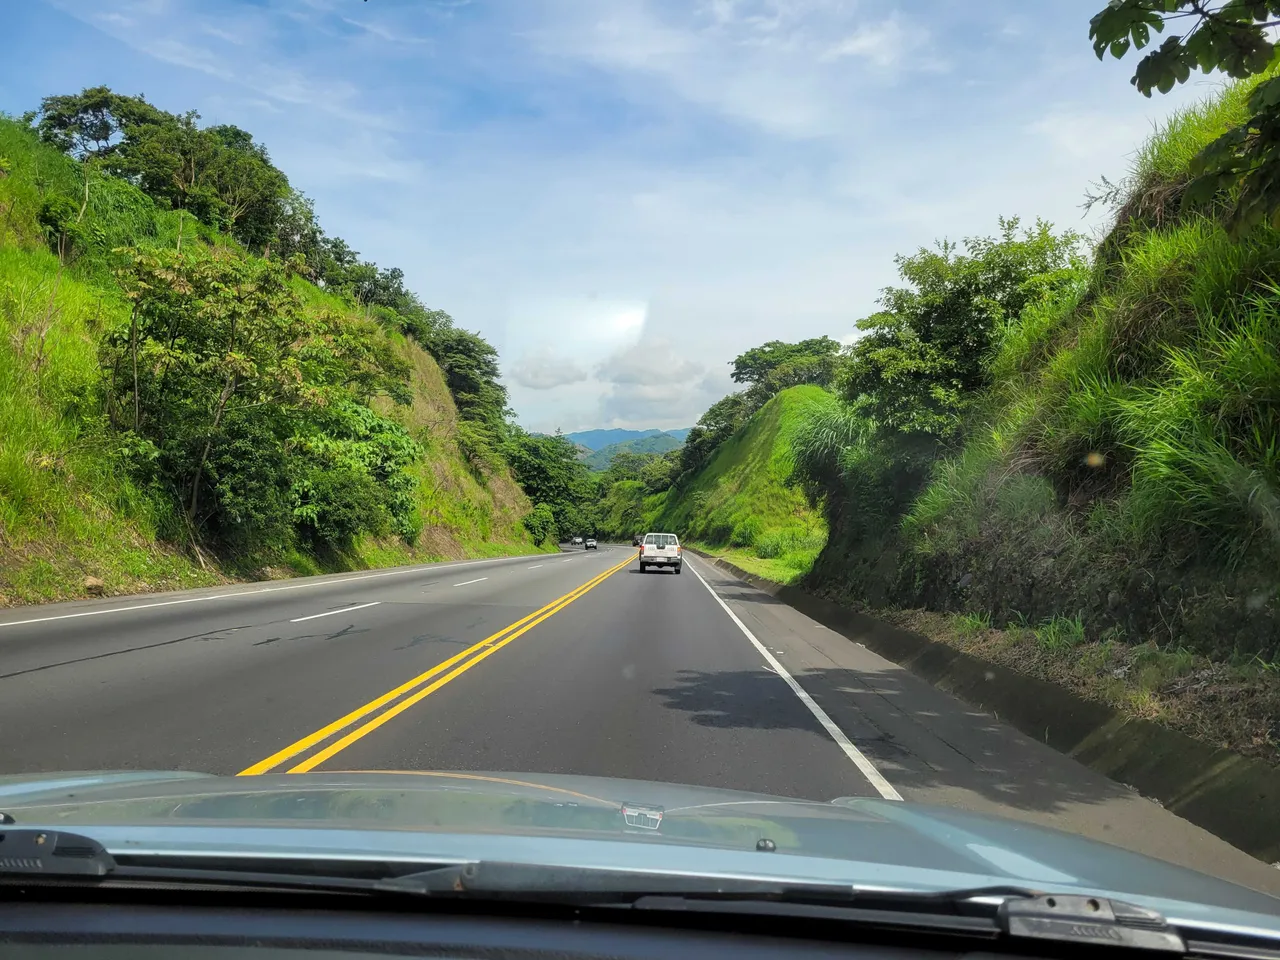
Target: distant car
{"x":637,"y":539}
{"x":577,"y":541}
{"x":591,"y":544}
{"x":661,"y":550}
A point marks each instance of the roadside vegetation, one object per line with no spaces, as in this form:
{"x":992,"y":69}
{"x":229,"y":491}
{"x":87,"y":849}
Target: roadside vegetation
{"x":198,"y":383}
{"x":1062,"y":457}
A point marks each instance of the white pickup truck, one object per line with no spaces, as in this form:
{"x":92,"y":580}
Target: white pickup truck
{"x":660,"y":550}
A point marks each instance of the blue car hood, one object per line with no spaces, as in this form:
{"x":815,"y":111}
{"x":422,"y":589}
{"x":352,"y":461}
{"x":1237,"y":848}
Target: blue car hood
{"x":597,"y":822}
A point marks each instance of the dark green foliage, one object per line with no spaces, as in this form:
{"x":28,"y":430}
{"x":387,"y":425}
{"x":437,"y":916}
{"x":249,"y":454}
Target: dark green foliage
{"x":816,"y":357}
{"x":548,"y":469}
{"x":249,"y":403}
{"x":470,"y":366}
{"x":923,"y":358}
{"x":92,"y":124}
{"x":216,"y":174}
{"x":1232,"y":36}
{"x":714,"y":427}
{"x":541,"y":523}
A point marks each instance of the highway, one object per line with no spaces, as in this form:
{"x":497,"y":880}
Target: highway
{"x":557,"y":663}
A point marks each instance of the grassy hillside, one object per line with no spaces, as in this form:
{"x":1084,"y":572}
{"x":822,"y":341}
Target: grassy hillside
{"x":1125,"y":469}
{"x":656,"y":443}
{"x":741,"y":503}
{"x":73,"y":501}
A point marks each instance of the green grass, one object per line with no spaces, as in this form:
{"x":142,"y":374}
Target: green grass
{"x":68,"y":507}
{"x":742,"y":504}
{"x":971,"y":624}
{"x":1060,"y":633}
{"x":1168,"y":152}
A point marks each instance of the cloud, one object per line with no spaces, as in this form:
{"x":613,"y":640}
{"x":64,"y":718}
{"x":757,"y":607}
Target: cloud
{"x":655,"y":363}
{"x":654,"y":384}
{"x":882,"y":44}
{"x":543,"y":370}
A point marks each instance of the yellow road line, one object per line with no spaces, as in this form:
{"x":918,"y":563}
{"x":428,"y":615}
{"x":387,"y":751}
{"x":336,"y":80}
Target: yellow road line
{"x":309,"y":741}
{"x":339,"y":745}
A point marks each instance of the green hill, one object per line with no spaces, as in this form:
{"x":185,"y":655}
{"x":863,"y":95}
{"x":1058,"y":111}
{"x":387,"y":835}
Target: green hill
{"x":654,"y":443}
{"x":82,"y":496}
{"x":740,"y":504}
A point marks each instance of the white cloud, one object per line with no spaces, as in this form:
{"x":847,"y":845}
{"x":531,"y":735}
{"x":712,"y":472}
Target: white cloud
{"x":655,"y":363}
{"x":882,"y":44}
{"x":543,"y":370}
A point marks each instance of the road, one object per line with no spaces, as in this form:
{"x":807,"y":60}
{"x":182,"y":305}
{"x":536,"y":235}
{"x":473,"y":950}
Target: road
{"x":560,"y":663}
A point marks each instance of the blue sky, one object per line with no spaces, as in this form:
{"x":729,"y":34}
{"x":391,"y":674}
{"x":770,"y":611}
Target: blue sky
{"x":624,"y":194}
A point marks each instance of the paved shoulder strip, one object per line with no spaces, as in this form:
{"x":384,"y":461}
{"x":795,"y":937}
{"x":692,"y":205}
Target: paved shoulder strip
{"x":867,"y":768}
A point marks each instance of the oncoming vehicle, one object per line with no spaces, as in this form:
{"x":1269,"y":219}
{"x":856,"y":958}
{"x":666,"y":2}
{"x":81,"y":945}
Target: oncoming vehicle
{"x":591,"y":544}
{"x":576,"y":541}
{"x":661,"y":550}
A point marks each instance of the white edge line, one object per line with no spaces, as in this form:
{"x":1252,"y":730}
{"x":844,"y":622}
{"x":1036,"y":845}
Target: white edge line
{"x":330,"y":613}
{"x":535,"y":566}
{"x":254,"y":593}
{"x":465,"y":582}
{"x":883,"y":786}
{"x":570,"y":560}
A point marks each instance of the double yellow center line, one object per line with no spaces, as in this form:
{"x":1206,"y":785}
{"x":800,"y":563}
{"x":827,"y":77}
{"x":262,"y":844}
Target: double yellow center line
{"x":403,"y":697}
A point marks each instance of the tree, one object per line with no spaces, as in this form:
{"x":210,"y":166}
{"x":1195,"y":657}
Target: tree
{"x":756,"y":364}
{"x":470,"y":367}
{"x":171,"y":160}
{"x":92,"y":124}
{"x":298,"y":233}
{"x":549,"y":471}
{"x":923,"y":358}
{"x":250,"y":190}
{"x":1227,"y":35}
{"x":245,"y":401}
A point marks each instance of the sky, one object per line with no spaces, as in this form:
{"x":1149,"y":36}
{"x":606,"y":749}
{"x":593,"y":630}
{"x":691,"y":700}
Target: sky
{"x":622,"y":195}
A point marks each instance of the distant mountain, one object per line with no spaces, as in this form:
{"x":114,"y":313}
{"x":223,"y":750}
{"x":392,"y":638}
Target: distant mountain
{"x":599,"y":439}
{"x":653,"y":443}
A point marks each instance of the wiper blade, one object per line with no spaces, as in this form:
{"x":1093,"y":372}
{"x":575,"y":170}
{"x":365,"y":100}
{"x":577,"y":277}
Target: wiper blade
{"x":51,"y":853}
{"x":1016,"y":912}
{"x":528,"y":880}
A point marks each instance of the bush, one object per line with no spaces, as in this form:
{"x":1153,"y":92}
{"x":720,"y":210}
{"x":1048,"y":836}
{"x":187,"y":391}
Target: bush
{"x":745,"y":532}
{"x":541,"y":523}
{"x":337,"y":505}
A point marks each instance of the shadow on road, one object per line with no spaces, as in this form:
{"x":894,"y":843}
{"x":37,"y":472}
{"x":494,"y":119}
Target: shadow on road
{"x":919,"y":742}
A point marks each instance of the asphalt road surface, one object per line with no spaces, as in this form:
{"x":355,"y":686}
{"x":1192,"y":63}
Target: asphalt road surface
{"x":561,"y":663}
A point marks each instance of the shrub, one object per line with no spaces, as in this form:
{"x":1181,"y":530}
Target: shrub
{"x":745,"y":532}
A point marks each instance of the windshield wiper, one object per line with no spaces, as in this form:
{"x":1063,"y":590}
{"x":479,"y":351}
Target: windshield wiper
{"x":988,"y":912}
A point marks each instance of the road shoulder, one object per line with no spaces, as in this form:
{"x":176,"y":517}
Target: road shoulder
{"x":935,"y":749}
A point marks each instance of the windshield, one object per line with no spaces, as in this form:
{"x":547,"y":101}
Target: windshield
{"x":869,"y":409}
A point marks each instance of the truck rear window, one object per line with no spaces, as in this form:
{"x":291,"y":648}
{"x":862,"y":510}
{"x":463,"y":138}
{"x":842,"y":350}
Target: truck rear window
{"x":661,"y":540}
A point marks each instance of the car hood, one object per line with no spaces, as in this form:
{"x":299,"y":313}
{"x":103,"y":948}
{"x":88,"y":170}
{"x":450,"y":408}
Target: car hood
{"x":595,"y":822}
